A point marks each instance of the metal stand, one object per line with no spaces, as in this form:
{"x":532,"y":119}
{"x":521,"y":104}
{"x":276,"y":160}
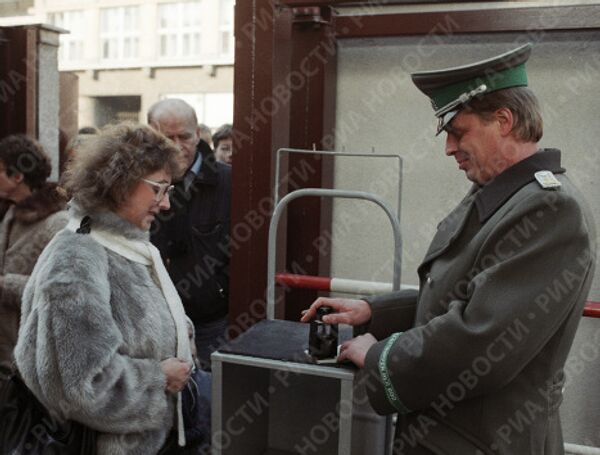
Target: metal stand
{"x":263,"y":406}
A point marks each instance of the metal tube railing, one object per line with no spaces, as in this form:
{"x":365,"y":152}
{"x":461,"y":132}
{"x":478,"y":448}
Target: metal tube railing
{"x":281,"y":151}
{"x":575,"y":449}
{"x":318,"y":192}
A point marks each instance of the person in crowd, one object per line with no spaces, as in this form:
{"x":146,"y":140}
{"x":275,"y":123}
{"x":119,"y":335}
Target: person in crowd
{"x":74,"y":144}
{"x":35,"y":212}
{"x":205,"y":134}
{"x":193,"y":236}
{"x":223,"y":143}
{"x":489,"y":340}
{"x":88,"y":130}
{"x":103,"y":336}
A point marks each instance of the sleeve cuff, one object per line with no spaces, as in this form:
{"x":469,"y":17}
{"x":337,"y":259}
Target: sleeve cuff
{"x":383,"y":396}
{"x":388,"y":387}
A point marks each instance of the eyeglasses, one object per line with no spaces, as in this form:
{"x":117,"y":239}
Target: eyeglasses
{"x":160,"y":189}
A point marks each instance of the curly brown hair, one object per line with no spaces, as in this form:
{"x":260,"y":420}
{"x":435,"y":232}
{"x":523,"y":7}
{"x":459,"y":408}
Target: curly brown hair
{"x":109,"y":165}
{"x":21,"y":154}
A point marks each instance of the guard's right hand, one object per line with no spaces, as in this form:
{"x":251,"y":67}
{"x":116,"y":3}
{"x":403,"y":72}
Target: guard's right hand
{"x":177,"y":372}
{"x":346,"y":311}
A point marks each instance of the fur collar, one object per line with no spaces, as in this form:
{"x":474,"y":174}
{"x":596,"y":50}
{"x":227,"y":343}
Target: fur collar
{"x":42,"y":203}
{"x":109,"y":221}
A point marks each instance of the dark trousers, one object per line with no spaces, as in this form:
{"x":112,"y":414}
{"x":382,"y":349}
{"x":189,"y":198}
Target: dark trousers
{"x":209,"y":337}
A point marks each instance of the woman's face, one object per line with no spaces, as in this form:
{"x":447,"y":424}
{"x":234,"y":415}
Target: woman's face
{"x":148,"y":197}
{"x":9,"y":183}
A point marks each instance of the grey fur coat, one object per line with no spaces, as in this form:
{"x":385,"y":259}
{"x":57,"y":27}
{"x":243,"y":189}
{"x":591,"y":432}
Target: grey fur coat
{"x":94,"y":330}
{"x":25,"y":230}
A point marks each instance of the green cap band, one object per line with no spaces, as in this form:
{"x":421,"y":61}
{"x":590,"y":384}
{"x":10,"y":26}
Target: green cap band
{"x":496,"y":80}
{"x":450,"y":89}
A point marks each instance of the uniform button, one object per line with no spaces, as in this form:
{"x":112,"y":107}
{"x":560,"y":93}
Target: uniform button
{"x":429,"y":279}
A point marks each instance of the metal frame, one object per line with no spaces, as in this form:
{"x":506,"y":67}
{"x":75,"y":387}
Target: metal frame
{"x":277,"y":212}
{"x":345,"y":377}
{"x":304,"y":3}
{"x":575,"y":17}
{"x":280,"y":204}
{"x":281,"y":151}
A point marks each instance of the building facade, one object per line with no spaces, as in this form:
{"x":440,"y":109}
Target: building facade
{"x":128,"y":54}
{"x":14,"y":7}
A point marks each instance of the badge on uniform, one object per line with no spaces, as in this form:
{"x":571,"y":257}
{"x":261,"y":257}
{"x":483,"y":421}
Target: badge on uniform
{"x":547,"y":180}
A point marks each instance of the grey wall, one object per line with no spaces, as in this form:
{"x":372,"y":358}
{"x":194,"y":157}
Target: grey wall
{"x":48,"y":95}
{"x":379,"y":107}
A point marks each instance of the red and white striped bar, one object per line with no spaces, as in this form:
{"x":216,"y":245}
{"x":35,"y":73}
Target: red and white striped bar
{"x":323,"y":283}
{"x":592,"y":309}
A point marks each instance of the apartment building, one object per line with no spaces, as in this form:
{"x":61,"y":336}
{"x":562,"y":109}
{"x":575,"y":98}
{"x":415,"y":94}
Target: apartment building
{"x":14,"y":7}
{"x":128,"y":54}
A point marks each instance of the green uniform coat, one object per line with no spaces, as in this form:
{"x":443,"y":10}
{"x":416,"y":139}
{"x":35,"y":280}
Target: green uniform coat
{"x":502,"y":290}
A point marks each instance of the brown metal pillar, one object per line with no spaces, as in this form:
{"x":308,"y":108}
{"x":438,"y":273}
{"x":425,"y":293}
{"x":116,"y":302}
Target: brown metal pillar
{"x":312,"y":115}
{"x":284,"y":93}
{"x":257,"y":22}
{"x":18,"y":80}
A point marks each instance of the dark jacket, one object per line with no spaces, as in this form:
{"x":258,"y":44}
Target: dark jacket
{"x":193,"y":238}
{"x":502,"y":290}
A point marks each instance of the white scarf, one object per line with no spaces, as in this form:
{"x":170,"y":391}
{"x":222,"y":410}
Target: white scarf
{"x":143,"y":252}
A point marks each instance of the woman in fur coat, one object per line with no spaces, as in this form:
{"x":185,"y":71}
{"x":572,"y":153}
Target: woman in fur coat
{"x":35,"y":213}
{"x":103,"y":337}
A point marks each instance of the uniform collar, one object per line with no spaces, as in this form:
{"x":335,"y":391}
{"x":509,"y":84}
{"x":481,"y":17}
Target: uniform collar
{"x":491,"y":196}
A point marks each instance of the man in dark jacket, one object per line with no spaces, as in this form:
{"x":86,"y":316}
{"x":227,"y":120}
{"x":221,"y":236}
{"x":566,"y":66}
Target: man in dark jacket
{"x":193,"y":236}
{"x":478,"y":368}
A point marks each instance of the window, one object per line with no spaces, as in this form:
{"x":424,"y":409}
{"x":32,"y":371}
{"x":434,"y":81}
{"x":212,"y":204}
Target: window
{"x":119,"y":33}
{"x":179,"y":30}
{"x":218,"y":109}
{"x":212,"y":109}
{"x":71,"y":44}
{"x":226,"y":42}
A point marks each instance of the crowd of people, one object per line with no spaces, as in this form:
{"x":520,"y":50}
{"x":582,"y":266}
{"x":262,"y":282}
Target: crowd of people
{"x":111,"y":333}
{"x":111,"y":310}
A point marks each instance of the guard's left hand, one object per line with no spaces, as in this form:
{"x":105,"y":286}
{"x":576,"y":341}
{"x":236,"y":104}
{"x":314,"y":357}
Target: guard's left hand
{"x":356,"y":349}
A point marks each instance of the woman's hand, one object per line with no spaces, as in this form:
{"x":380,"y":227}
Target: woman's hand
{"x":177,"y":372}
{"x":356,"y":349}
{"x":347,"y":311}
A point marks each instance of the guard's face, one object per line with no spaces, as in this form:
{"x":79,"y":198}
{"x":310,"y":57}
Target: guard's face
{"x":474,"y":144}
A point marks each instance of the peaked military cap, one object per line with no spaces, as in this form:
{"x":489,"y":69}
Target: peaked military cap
{"x":451,"y":89}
